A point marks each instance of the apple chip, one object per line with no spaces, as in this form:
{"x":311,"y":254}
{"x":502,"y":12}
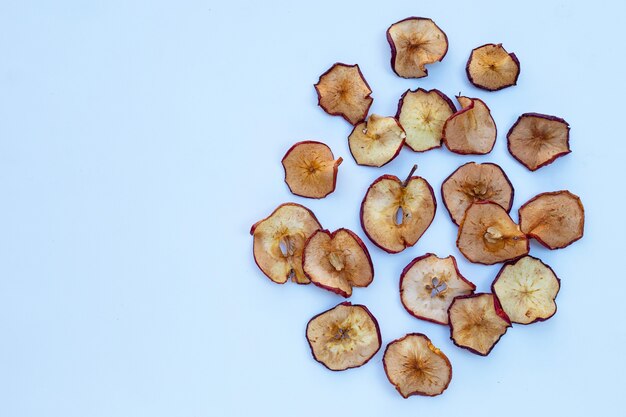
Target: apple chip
{"x":471,"y":130}
{"x":476,"y":182}
{"x":422,"y":114}
{"x":346,"y":336}
{"x":487,"y":235}
{"x":415,"y":42}
{"x":337,"y":261}
{"x":477,"y":322}
{"x":429,"y":284}
{"x":279,"y":240}
{"x":311,"y":169}
{"x":555,"y":219}
{"x":343,"y":91}
{"x":492,"y":68}
{"x":537,"y":140}
{"x":376,"y":141}
{"x":395,"y":214}
{"x":416,"y":367}
{"x":526,"y":290}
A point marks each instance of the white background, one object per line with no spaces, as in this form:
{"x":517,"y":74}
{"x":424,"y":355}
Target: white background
{"x":139,"y":141}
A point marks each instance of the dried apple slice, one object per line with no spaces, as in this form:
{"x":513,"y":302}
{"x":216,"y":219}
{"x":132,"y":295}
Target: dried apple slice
{"x":337,"y":261}
{"x":476,"y":182}
{"x":415,"y":42}
{"x":416,"y":367}
{"x":526,"y":290}
{"x":429,"y":284}
{"x":537,"y":140}
{"x":492,"y":68}
{"x":422,"y":114}
{"x":343,"y":91}
{"x":555,"y":219}
{"x":471,"y":130}
{"x":487,"y":235}
{"x":477,"y":322}
{"x":395,"y":214}
{"x":376,"y":141}
{"x":346,"y":336}
{"x":311,"y":169}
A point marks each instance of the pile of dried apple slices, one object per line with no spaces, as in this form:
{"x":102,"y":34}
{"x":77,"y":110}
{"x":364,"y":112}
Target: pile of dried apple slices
{"x":291,"y":244}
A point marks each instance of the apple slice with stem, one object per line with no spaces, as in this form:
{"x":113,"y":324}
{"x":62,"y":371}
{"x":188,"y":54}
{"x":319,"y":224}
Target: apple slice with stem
{"x":395,"y":214}
{"x":471,"y":130}
{"x":376,"y":141}
{"x":492,"y":68}
{"x":311,"y":169}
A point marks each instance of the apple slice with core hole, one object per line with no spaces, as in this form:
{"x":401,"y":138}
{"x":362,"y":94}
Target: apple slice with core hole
{"x":376,"y":141}
{"x":492,"y":68}
{"x":471,"y":130}
{"x":346,"y":336}
{"x":311,"y":169}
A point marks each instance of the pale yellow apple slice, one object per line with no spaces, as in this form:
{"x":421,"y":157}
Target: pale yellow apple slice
{"x":376,"y":141}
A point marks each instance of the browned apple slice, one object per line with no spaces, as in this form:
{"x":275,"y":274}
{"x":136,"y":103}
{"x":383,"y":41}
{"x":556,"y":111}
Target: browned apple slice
{"x":476,"y":182}
{"x":395,"y":214}
{"x":337,"y":261}
{"x":346,"y":336}
{"x":429,"y":284}
{"x":487,"y":235}
{"x":492,"y":68}
{"x":415,"y":42}
{"x":311,"y":169}
{"x":526,"y":290}
{"x":555,"y":219}
{"x":279,"y":240}
{"x":376,"y":141}
{"x":477,"y":322}
{"x":416,"y":367}
{"x":471,"y":130}
{"x":537,"y":140}
{"x":343,"y":91}
{"x":422,"y":115}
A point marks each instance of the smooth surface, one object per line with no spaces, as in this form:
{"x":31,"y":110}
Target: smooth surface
{"x":139,"y":141}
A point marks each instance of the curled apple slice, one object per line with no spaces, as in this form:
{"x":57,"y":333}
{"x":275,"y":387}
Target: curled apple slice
{"x":492,"y":68}
{"x":526,"y":289}
{"x":415,"y":42}
{"x":311,"y":169}
{"x":471,"y":130}
{"x":476,"y":182}
{"x":416,"y":367}
{"x":537,"y":140}
{"x":395,"y":214}
{"x":555,"y":219}
{"x":487,"y":235}
{"x":346,"y":336}
{"x":429,"y":284}
{"x":422,"y":114}
{"x":343,"y":91}
{"x":376,"y":141}
{"x":477,"y":322}
{"x":337,"y":261}
{"x":279,"y":240}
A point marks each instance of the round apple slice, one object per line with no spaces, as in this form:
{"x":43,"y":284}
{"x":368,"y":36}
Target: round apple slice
{"x":279,"y":240}
{"x":311,"y":169}
{"x":416,"y":367}
{"x":526,"y":289}
{"x":537,"y":140}
{"x":476,"y":182}
{"x":429,"y":284}
{"x":395,"y":214}
{"x":376,"y":141}
{"x":343,"y":91}
{"x":487,"y":235}
{"x":477,"y":322}
{"x":422,"y":115}
{"x":346,"y":336}
{"x":555,"y":219}
{"x":415,"y":42}
{"x":492,"y":68}
{"x":470,"y":130}
{"x":337,"y":261}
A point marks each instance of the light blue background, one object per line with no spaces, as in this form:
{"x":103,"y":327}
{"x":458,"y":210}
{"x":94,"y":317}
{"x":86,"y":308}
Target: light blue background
{"x":139,"y":140}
